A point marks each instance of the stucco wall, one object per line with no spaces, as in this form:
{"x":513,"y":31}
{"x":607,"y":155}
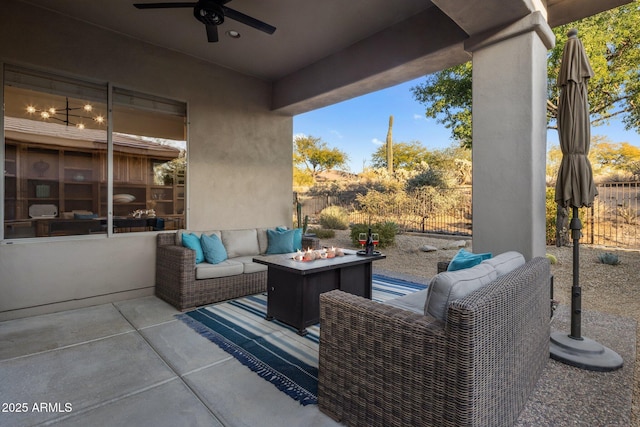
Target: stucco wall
{"x":239,"y":159}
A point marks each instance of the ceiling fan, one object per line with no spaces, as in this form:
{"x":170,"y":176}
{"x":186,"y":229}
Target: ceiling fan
{"x":212,"y":13}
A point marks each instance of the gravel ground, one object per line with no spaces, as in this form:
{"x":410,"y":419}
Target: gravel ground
{"x":605,"y":288}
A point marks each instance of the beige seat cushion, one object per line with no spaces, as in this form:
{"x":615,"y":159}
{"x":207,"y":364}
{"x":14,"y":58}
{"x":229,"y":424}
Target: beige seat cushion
{"x":250,"y":266}
{"x":204,"y":270}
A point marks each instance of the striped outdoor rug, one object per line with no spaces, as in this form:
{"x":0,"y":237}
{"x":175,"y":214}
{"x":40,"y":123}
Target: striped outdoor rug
{"x":270,"y":348}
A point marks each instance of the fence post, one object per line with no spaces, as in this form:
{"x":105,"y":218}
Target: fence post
{"x":592,"y":223}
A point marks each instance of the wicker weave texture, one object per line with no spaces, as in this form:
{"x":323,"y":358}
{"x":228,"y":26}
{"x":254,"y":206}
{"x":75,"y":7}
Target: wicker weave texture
{"x":176,"y":278}
{"x":383,"y":366}
{"x":310,"y":242}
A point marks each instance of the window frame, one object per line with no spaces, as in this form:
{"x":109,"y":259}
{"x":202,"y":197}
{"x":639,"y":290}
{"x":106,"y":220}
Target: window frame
{"x":116,"y":96}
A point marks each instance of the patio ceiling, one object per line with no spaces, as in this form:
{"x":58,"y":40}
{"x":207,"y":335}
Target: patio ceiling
{"x":325,"y":51}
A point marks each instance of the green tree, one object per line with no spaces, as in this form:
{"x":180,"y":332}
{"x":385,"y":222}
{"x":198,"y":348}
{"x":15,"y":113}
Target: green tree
{"x":447,"y":98}
{"x":452,"y":159}
{"x":316,"y":156}
{"x":618,"y":155}
{"x":606,"y":158}
{"x":406,"y":155}
{"x":554,"y":158}
{"x":612,"y":42}
{"x":301,"y":178}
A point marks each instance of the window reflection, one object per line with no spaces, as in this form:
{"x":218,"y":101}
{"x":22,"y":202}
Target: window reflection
{"x":54,"y":146}
{"x":56,"y":159}
{"x":149,"y":162}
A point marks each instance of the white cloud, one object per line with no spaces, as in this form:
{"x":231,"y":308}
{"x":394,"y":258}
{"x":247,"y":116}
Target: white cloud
{"x":376,"y":141}
{"x":299,"y":135}
{"x":337,"y":134}
{"x":418,"y":116}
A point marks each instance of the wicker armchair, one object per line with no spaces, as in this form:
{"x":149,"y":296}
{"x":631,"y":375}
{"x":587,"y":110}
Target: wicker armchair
{"x":384,"y":366}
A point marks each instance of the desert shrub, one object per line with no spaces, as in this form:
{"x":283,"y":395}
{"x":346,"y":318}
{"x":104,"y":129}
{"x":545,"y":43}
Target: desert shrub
{"x":627,"y":213}
{"x":334,"y":217}
{"x":429,"y":177}
{"x":386,"y":230}
{"x":609,"y":258}
{"x":376,"y":204}
{"x":323,"y":233}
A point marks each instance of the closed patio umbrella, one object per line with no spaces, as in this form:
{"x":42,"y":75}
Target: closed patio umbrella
{"x":575,"y":189}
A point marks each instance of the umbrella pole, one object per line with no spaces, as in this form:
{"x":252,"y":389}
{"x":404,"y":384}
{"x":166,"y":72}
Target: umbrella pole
{"x":576,"y":290}
{"x":573,"y":349}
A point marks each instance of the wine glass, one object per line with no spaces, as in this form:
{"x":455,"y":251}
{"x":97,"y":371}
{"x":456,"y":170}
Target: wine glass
{"x":362,"y":239}
{"x":375,"y":237}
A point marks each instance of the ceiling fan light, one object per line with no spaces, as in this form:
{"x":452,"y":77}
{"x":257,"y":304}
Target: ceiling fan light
{"x":210,"y":14}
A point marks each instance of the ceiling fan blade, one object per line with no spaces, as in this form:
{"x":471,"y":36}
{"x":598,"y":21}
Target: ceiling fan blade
{"x":247,"y":20}
{"x":163,"y":5}
{"x":212,"y":33}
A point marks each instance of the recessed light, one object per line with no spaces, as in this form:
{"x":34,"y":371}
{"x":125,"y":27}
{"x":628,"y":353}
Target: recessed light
{"x":233,"y":34}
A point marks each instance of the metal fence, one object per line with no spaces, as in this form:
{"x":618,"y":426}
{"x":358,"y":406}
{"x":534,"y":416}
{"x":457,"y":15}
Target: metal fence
{"x":614,"y":219}
{"x":417,"y":213}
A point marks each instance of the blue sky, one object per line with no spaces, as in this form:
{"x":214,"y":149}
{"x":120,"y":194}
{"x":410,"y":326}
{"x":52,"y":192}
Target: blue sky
{"x":358,"y":126}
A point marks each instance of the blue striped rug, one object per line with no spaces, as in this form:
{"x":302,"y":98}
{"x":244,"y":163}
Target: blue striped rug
{"x":270,"y":348}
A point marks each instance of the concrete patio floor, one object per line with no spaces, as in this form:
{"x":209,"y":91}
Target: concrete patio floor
{"x":133,"y":363}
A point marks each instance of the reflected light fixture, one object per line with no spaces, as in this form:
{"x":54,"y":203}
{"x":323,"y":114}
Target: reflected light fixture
{"x":64,"y":114}
{"x":233,"y":34}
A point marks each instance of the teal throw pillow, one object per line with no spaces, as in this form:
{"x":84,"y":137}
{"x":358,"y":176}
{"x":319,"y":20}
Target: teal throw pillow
{"x":297,"y":239}
{"x":465,"y":259}
{"x":214,"y":250}
{"x":192,"y":241}
{"x":281,"y":242}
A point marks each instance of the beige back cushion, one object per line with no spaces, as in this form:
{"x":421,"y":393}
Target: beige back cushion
{"x":263,"y":240}
{"x":452,"y":285}
{"x":240,"y":242}
{"x":505,"y":262}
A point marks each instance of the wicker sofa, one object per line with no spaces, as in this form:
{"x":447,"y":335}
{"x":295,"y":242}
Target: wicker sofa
{"x":184,"y":284}
{"x":381,"y":365}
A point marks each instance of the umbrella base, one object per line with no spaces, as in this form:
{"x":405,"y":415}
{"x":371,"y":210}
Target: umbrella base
{"x":584,"y":354}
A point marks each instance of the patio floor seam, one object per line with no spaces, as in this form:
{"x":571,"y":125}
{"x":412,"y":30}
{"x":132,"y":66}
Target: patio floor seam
{"x":68,"y":346}
{"x":169,"y":365}
{"x":108,"y":402}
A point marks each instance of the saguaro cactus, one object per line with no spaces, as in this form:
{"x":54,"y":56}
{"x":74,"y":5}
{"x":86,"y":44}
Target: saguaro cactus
{"x":390,"y":147}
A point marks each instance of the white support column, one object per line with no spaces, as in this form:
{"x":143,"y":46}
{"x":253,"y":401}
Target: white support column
{"x":509,"y":137}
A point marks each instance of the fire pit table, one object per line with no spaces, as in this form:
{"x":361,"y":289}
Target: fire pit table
{"x":294,"y":286}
